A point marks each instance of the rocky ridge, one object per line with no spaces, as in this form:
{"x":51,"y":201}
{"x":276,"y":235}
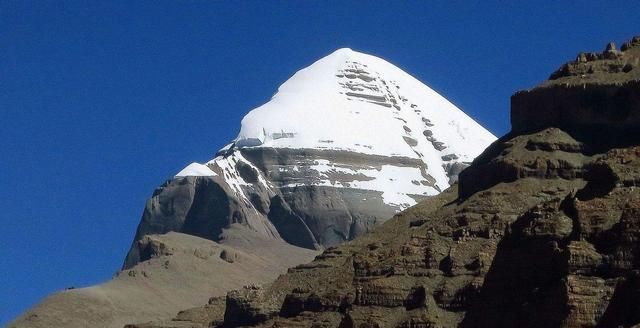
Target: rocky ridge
{"x":542,"y":230}
{"x":587,"y":97}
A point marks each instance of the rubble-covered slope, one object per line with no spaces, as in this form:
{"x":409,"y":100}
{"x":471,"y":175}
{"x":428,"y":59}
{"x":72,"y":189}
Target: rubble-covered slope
{"x":178,"y":271}
{"x":542,"y":231}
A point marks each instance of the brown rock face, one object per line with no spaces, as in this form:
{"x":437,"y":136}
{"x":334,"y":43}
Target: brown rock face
{"x":595,"y":98}
{"x":542,"y":230}
{"x":606,"y":116}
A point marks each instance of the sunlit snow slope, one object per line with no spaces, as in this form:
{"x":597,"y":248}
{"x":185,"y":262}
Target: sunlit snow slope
{"x":353,"y":101}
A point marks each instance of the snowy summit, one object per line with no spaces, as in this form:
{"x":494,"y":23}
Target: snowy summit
{"x":353,"y":102}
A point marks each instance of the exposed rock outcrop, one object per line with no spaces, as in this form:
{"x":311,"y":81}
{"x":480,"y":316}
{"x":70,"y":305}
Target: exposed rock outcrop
{"x":595,"y":98}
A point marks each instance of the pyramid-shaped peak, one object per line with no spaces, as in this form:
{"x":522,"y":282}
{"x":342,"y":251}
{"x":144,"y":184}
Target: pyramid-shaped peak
{"x":344,"y":56}
{"x":321,"y":78}
{"x":342,"y":51}
{"x":350,"y":55}
{"x":351,"y":101}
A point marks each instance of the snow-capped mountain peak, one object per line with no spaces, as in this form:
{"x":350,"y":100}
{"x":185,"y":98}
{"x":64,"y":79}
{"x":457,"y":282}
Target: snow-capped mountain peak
{"x":410,"y":141}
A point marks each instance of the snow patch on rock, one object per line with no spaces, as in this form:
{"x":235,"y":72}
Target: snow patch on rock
{"x":196,"y":169}
{"x":396,"y":183}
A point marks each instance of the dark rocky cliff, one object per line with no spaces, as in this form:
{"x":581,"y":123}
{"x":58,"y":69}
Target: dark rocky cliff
{"x":595,"y":98}
{"x":273,"y":192}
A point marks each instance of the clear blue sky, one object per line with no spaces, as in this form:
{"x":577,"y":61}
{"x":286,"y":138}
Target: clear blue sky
{"x":101,"y":102}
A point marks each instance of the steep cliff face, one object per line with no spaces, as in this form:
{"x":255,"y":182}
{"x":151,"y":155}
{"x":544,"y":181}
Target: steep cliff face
{"x":542,"y":231}
{"x":342,"y":146}
{"x":596,"y":98}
